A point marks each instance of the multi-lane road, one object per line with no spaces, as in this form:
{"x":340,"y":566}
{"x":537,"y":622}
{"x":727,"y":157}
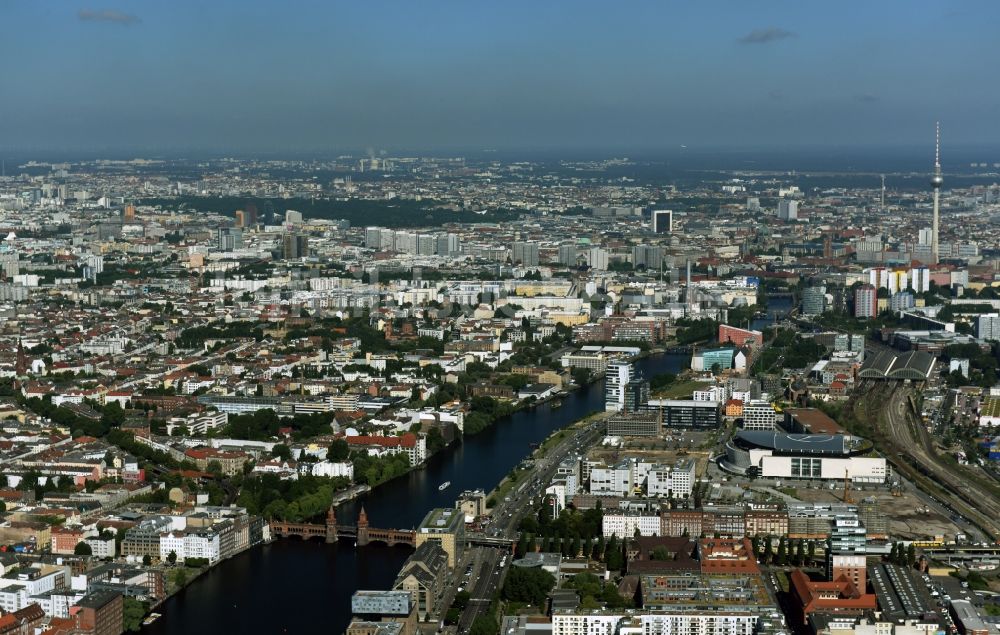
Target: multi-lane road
{"x":490,"y":564}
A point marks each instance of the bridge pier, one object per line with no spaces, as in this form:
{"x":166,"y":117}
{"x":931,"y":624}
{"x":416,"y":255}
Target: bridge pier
{"x":331,"y":526}
{"x":362,"y":538}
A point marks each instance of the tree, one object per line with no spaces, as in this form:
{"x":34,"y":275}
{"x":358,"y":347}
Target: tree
{"x":133,"y":612}
{"x":214,"y":467}
{"x":83,"y":549}
{"x":172,"y":557}
{"x":527,"y":585}
{"x":339,"y":451}
{"x":660,"y":553}
{"x":146,"y":560}
{"x":282,"y":451}
{"x":911,"y":556}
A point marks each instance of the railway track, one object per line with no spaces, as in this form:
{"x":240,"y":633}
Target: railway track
{"x":909,"y":447}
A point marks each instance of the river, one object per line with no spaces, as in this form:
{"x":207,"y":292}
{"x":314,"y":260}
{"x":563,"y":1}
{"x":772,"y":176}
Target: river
{"x":292,"y":586}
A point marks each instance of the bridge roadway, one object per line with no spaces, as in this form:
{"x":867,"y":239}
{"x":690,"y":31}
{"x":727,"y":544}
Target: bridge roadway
{"x":331,"y":531}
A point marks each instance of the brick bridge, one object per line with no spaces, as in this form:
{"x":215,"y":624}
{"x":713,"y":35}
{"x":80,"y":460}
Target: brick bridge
{"x":330,"y":531}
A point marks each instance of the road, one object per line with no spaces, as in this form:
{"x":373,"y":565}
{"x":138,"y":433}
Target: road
{"x":490,"y":564}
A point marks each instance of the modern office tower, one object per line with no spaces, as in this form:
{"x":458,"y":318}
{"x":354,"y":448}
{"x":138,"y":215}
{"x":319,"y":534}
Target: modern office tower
{"x":988,"y":326}
{"x":525,"y":253}
{"x":387,"y":240}
{"x":925,"y":236}
{"x":663,"y":221}
{"x":616,"y":380}
{"x":241,"y":218}
{"x":846,"y":549}
{"x":448,"y":244}
{"x":295,"y":245}
{"x":865,"y":301}
{"x":567,"y":255}
{"x":636,"y":394}
{"x":373,"y":237}
{"x":292,"y":217}
{"x":63,"y":192}
{"x":814,"y":300}
{"x":128,"y":213}
{"x":936,"y":182}
{"x":788,"y":209}
{"x":426,"y":244}
{"x":758,"y":415}
{"x":598,"y":258}
{"x":753,"y":204}
{"x":230,"y":238}
{"x":251,"y":214}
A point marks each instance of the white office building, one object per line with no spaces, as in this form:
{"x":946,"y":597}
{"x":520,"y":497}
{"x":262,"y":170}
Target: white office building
{"x":616,"y":379}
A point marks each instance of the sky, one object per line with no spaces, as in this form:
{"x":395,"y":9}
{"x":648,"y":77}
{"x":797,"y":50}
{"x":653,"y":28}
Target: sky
{"x":234,"y":76}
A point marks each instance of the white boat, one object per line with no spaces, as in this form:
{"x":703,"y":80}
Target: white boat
{"x":443,"y":486}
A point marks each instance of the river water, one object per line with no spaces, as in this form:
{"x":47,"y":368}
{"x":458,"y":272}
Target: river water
{"x":292,"y":586}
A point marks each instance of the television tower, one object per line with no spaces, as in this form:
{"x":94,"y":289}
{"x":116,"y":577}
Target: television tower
{"x":936,"y":182}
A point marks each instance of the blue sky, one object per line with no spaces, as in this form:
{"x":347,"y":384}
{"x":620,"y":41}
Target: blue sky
{"x":247,"y":75}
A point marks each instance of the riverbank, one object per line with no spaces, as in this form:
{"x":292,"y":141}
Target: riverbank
{"x":219,"y":600}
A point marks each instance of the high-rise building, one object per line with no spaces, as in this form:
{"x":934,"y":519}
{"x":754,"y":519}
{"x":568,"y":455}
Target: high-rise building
{"x":295,"y":245}
{"x":567,"y":255}
{"x":241,"y":218}
{"x":373,"y":237}
{"x":292,"y":217}
{"x":251,"y":214}
{"x":925,"y":236}
{"x":788,"y":209}
{"x":663,"y":221}
{"x":814,"y":300}
{"x":230,"y":238}
{"x":753,"y":204}
{"x":865,"y":301}
{"x":988,"y":326}
{"x":616,"y":379}
{"x":846,"y":549}
{"x":525,"y":253}
{"x":426,"y":245}
{"x":128,"y":213}
{"x":598,"y":258}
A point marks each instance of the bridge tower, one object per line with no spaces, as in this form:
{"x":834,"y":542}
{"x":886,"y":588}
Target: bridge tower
{"x":362,"y":528}
{"x":331,"y":525}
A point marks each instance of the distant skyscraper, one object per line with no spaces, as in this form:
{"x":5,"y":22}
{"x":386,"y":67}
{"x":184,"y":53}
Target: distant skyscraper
{"x":788,"y":209}
{"x":525,"y":253}
{"x":663,"y":221}
{"x":241,"y":218}
{"x":936,"y":182}
{"x":753,"y":204}
{"x":988,"y":326}
{"x":251,"y":214}
{"x":925,"y":236}
{"x":293,"y":218}
{"x":567,"y":255}
{"x":295,"y":245}
{"x":230,"y":238}
{"x":813,"y":300}
{"x":865,"y":301}
{"x":128,"y":213}
{"x":616,"y":380}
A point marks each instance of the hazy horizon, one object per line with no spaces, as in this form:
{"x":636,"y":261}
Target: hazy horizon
{"x":254,"y":76}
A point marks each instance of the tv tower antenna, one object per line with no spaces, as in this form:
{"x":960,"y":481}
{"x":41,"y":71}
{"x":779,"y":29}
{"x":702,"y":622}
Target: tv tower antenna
{"x":882,"y":204}
{"x":936,"y":182}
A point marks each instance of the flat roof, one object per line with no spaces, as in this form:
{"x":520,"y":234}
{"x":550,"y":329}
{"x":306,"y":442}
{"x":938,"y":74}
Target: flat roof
{"x":442,"y":520}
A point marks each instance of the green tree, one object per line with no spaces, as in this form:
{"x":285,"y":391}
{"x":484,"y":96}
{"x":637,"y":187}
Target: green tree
{"x":83,"y":549}
{"x":214,"y":467}
{"x":911,"y":556}
{"x":172,"y":557}
{"x":133,"y":612}
{"x":282,"y":452}
{"x":146,"y":560}
{"x":527,"y":585}
{"x":660,"y":553}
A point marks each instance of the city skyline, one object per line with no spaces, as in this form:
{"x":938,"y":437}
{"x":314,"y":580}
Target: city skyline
{"x":253,"y":77}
